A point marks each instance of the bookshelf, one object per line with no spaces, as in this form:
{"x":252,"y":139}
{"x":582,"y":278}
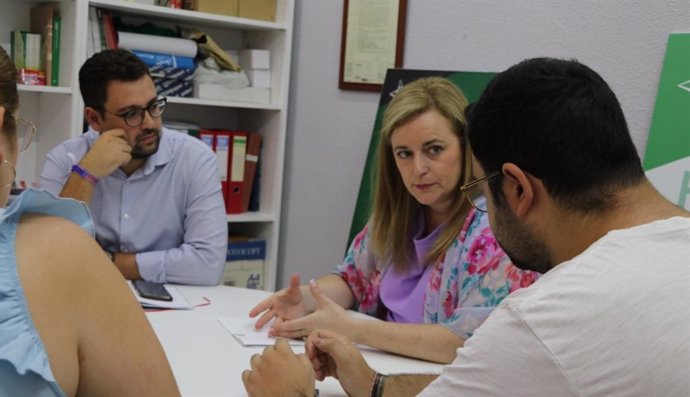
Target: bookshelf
{"x":58,"y":111}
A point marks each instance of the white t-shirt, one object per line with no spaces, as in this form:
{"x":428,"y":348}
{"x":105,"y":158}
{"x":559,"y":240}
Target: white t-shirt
{"x":613,"y":321}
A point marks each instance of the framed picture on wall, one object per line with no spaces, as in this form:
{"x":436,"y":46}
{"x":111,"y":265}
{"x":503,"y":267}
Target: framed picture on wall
{"x":372,"y":41}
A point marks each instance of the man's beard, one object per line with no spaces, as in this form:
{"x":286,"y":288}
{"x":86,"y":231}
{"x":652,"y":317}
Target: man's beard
{"x":525,"y":250}
{"x":139,"y":152}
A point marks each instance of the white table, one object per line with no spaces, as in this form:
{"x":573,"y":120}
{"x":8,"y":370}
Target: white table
{"x":207,"y":361}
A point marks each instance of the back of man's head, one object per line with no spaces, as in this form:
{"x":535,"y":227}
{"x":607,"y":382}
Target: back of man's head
{"x":559,"y":121}
{"x":102,"y":69}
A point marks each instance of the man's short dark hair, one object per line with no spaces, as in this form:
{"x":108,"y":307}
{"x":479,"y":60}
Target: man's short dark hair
{"x":559,"y":121}
{"x":103,"y":68}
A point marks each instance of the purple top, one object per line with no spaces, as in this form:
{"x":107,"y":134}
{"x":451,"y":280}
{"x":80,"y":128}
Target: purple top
{"x":403,"y":294}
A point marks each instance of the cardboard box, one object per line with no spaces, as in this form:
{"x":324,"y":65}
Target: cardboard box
{"x":244,"y":274}
{"x":264,"y":10}
{"x":259,"y":78}
{"x":245,"y":263}
{"x":255,"y":59}
{"x":221,"y":7}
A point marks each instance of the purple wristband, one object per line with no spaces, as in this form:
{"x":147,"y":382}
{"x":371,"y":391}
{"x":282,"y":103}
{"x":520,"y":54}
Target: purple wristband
{"x":84,"y":174}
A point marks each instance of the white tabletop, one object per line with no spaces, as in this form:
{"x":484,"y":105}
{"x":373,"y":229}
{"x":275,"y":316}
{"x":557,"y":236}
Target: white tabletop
{"x":207,"y":361}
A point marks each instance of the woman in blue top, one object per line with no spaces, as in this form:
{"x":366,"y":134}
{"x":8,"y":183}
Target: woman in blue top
{"x":69,"y":325}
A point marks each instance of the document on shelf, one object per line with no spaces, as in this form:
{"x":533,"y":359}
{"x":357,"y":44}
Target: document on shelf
{"x":242,"y":329}
{"x":178,"y":302}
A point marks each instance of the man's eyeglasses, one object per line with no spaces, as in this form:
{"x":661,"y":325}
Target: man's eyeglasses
{"x":25,"y":133}
{"x":476,"y":200}
{"x":134,"y":117}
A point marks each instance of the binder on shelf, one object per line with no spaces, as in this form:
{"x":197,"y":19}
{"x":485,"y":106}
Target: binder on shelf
{"x":221,"y":143}
{"x":222,"y":149}
{"x":250,"y":164}
{"x":255,"y":195}
{"x":56,"y":48}
{"x":109,"y":31}
{"x":206,"y":136}
{"x":233,"y":194}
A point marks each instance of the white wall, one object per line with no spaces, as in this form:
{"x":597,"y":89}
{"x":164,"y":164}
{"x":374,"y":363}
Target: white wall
{"x":329,"y":129}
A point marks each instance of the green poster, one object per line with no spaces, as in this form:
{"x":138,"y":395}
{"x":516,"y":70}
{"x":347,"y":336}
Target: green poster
{"x":667,"y":159}
{"x":470,"y":83}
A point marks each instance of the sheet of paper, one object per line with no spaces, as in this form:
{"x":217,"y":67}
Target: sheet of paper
{"x":242,"y":329}
{"x":178,"y":302}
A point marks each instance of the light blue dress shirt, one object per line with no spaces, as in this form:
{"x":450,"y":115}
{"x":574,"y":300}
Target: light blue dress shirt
{"x":170,"y":211}
{"x":24,"y":365}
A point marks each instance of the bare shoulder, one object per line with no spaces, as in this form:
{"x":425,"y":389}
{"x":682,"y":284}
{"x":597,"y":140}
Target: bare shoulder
{"x":85,"y":313}
{"x":51,"y":228}
{"x":59,"y":255}
{"x":60,"y":267}
{"x":57,"y":247}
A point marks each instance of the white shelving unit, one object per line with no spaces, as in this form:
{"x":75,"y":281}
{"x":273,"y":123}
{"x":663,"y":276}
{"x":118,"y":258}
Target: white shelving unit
{"x":58,"y":111}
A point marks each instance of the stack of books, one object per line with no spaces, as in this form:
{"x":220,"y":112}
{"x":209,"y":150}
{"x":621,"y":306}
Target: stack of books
{"x":36,"y":53}
{"x":170,"y":59}
{"x":172,"y":74}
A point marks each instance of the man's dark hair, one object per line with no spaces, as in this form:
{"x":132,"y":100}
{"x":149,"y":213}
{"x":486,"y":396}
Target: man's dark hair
{"x":103,"y":68}
{"x":559,"y":121}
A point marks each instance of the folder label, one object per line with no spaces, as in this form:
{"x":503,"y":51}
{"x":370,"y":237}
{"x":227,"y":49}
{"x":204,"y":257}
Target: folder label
{"x":222,"y":147}
{"x":239,"y":151}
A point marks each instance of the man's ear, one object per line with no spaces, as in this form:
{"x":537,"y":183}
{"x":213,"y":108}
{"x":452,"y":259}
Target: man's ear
{"x":93,"y":117}
{"x":518,"y":189}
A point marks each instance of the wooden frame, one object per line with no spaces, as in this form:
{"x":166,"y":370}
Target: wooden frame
{"x":366,"y":70}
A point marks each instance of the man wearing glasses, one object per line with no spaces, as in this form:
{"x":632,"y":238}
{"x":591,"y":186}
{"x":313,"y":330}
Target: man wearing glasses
{"x":155,"y":195}
{"x":566,"y":196}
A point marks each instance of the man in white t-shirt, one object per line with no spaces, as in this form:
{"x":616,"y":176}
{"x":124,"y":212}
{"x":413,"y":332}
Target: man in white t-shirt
{"x":566,"y":196}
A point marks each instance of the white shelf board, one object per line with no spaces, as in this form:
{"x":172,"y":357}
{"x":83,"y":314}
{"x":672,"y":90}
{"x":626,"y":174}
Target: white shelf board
{"x":251,"y":217}
{"x":179,"y":15}
{"x":45,"y":89}
{"x":224,"y":104}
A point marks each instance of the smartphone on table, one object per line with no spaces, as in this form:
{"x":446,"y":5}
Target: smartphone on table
{"x":150,"y":290}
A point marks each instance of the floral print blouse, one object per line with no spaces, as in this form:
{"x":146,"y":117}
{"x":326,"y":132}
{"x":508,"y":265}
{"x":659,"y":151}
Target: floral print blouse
{"x":468,"y":281}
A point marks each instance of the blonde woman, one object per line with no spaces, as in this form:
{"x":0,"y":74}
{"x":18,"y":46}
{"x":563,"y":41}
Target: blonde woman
{"x":427,"y":262}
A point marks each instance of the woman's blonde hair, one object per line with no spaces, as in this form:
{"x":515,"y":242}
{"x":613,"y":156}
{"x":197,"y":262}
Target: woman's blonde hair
{"x":395,"y":211}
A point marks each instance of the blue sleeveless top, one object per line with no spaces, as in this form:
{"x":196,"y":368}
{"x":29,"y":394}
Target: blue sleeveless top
{"x":24,"y":366}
